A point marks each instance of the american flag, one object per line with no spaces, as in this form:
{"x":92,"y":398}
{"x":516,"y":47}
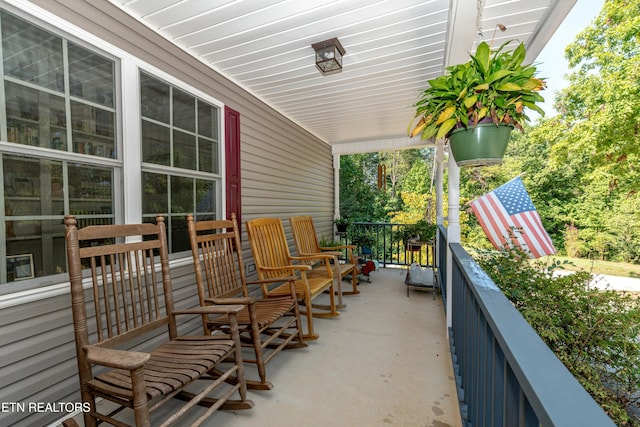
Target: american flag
{"x":509,"y":218}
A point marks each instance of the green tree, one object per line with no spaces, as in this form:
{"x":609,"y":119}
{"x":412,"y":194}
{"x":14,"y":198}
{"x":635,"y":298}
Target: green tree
{"x":625,"y":223}
{"x":600,"y":118}
{"x":359,"y":198}
{"x":417,"y":200}
{"x":407,"y":171}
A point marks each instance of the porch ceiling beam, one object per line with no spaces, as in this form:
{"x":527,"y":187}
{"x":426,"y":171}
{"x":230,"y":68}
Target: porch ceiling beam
{"x":462,"y":32}
{"x":356,"y":147}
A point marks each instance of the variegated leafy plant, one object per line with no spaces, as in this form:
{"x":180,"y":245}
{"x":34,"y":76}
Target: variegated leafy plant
{"x":493,"y":85}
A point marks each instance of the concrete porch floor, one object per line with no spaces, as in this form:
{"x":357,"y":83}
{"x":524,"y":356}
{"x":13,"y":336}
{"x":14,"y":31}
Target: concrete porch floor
{"x":385,"y":361}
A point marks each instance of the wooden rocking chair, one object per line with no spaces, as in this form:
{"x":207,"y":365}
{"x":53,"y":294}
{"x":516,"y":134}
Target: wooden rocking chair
{"x":268,"y":325}
{"x":274,"y":262}
{"x":129,"y":302}
{"x":306,"y":240}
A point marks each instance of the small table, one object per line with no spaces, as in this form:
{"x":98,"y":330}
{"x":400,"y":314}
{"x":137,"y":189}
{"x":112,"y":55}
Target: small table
{"x":416,"y":246}
{"x":430,"y":285}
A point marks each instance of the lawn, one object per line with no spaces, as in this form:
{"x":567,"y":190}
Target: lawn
{"x":602,"y":267}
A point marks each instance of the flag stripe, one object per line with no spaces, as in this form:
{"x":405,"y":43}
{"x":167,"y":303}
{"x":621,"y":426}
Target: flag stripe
{"x":489,"y":223}
{"x":541,"y":237}
{"x":541,"y":234}
{"x":528,"y":234}
{"x":499,"y":221}
{"x":508,"y":218}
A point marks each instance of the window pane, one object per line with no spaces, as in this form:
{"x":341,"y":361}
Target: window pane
{"x":156,"y":144}
{"x":207,"y":120}
{"x":178,"y":234}
{"x":35,"y":118}
{"x":181,"y":195}
{"x":22,"y":103}
{"x":208,"y":156}
{"x":91,"y":76}
{"x":35,"y":188}
{"x":90,"y":190}
{"x":184,"y":150}
{"x":32,"y":187}
{"x":38,"y":251}
{"x":93,"y":130}
{"x":154,"y":98}
{"x":154,"y":194}
{"x":184,"y":109}
{"x":31,"y":54}
{"x":206,"y":200}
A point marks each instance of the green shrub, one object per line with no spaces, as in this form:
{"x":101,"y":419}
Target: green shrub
{"x":595,"y":333}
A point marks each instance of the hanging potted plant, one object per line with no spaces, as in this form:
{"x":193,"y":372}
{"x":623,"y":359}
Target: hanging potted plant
{"x":478,"y":103}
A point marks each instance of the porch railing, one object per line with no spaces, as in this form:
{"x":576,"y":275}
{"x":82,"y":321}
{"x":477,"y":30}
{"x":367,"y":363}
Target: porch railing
{"x":506,"y":375}
{"x":387,"y":247}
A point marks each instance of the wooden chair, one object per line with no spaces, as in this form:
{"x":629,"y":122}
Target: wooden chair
{"x":128,"y":303}
{"x":273,"y":262}
{"x":306,"y":240}
{"x":268,"y":325}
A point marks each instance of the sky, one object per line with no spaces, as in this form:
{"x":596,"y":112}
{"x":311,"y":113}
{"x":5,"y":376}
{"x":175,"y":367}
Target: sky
{"x":551,"y":62}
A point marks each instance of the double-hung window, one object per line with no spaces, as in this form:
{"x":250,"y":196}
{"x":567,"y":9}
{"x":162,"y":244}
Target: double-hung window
{"x":180,"y":155}
{"x":58,"y":149}
{"x":62,"y":150}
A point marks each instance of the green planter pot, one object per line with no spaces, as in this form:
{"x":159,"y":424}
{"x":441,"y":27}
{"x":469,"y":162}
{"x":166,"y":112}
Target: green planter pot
{"x":482,"y":145}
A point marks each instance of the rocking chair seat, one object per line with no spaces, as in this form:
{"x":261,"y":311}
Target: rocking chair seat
{"x":268,"y":311}
{"x":317,"y":284}
{"x":345,"y":268}
{"x":171,"y":366}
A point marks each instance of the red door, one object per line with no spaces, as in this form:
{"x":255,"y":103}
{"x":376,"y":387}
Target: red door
{"x":232,"y":162}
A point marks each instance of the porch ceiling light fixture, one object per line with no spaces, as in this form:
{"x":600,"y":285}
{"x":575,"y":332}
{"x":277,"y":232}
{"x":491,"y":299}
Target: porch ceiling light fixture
{"x":329,"y":55}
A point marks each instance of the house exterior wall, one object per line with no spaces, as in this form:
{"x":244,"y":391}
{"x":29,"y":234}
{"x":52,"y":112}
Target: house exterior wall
{"x":285,"y":171}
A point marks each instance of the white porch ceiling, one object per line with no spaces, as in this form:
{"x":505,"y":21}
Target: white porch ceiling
{"x":392,"y":48}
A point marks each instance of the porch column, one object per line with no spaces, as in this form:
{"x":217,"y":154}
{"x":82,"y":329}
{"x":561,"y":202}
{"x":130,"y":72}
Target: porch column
{"x":439,"y":181}
{"x":453,"y":229}
{"x":336,"y":186}
{"x":439,"y":200}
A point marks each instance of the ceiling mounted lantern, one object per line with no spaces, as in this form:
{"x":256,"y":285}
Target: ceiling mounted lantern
{"x":329,"y":56}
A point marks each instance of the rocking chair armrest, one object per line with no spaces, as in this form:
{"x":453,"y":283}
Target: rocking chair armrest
{"x":330,"y":251}
{"x":211,"y":309}
{"x":307,"y":257}
{"x":272,"y":280}
{"x":330,"y":248}
{"x":301,"y":267}
{"x":232,"y":300}
{"x":118,"y":359}
{"x":349,"y":248}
